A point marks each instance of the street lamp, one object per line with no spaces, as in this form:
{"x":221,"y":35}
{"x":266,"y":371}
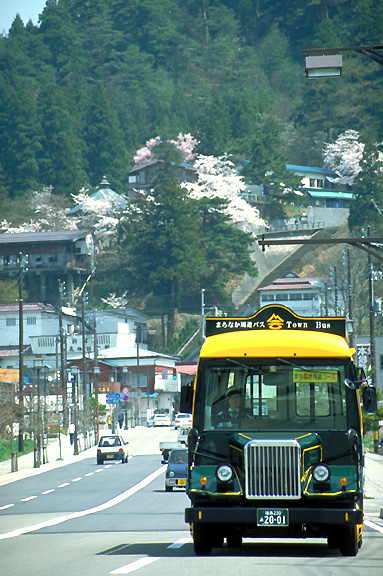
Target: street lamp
{"x":74,"y":371}
{"x":326,"y":62}
{"x":323,"y":66}
{"x":38,"y":364}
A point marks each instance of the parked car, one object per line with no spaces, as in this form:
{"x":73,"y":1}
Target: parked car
{"x":176,"y":472}
{"x":112,"y":447}
{"x":162,"y":420}
{"x":183,"y":420}
{"x":380,"y":447}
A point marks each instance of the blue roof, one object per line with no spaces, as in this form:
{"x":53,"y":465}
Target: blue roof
{"x":310,"y":169}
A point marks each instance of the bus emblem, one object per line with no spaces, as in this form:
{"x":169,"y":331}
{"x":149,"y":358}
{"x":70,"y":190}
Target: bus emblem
{"x":275,"y":322}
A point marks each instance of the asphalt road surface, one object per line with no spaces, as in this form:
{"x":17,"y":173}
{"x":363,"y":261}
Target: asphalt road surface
{"x":85,"y":519}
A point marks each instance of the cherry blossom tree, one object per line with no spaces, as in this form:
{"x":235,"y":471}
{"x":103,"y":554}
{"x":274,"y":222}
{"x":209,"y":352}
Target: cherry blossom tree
{"x":100,"y":215}
{"x":217,"y":178}
{"x":344,"y":156}
{"x":185,"y":143}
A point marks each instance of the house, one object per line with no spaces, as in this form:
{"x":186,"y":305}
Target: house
{"x":121,"y":355}
{"x":143,"y":176}
{"x":103,"y":192}
{"x":321,"y":187}
{"x":304,"y":296}
{"x":47,"y":257}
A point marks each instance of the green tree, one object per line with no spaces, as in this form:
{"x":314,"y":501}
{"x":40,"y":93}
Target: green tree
{"x":161,"y":237}
{"x":267,"y":165}
{"x":367,"y":208}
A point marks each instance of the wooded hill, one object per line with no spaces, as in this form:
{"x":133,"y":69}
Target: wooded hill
{"x":81,"y":92}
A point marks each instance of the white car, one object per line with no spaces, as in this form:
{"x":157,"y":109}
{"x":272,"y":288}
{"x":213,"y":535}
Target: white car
{"x":112,"y":447}
{"x":183,"y":419}
{"x":161,"y":420}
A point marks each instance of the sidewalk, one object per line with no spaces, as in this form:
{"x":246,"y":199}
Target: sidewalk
{"x":25,"y":462}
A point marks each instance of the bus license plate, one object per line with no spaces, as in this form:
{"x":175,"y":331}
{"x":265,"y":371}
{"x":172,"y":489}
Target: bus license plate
{"x":274,"y":517}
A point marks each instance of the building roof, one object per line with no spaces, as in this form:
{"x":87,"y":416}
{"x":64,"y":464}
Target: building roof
{"x":36,"y":237}
{"x":148,"y":165}
{"x":329,"y":194}
{"x":104,"y":192}
{"x":323,"y":171}
{"x":38,"y":306}
{"x":292,"y":283}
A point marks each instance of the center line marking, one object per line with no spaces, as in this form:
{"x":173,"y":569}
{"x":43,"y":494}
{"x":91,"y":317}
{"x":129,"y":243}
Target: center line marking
{"x":48,"y":491}
{"x":28,"y":498}
{"x":63,"y":485}
{"x":6,"y":506}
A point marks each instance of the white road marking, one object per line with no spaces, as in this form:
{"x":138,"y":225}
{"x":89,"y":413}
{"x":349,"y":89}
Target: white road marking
{"x":28,"y":498}
{"x":374,"y":526}
{"x":48,"y":491}
{"x":89,"y":474}
{"x":6,"y":506}
{"x":180,"y":542}
{"x":73,"y":515}
{"x":135,"y":565}
{"x":77,"y":479}
{"x":148,"y":560}
{"x":63,"y":485}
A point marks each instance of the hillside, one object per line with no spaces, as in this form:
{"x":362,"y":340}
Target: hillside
{"x":81,"y":92}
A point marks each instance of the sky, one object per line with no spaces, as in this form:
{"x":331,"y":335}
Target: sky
{"x":28,"y":10}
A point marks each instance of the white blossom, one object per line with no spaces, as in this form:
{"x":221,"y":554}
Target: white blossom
{"x":114,"y":301}
{"x":217,"y":178}
{"x":344,"y":156}
{"x":101,"y":215}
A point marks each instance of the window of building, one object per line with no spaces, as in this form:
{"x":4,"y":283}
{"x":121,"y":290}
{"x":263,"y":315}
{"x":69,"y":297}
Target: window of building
{"x":10,"y":322}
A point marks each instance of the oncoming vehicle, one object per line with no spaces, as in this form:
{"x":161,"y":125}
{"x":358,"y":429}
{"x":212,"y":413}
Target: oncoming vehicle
{"x":290,"y":463}
{"x":182,"y":420}
{"x":176,"y":471}
{"x":112,"y":447}
{"x":161,"y":420}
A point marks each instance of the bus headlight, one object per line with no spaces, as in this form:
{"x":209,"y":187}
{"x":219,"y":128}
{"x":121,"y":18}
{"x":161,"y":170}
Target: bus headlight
{"x":321,"y":473}
{"x":224,"y":473}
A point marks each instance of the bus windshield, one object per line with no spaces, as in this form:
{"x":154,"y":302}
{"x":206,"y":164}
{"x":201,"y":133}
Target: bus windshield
{"x":256,"y":397}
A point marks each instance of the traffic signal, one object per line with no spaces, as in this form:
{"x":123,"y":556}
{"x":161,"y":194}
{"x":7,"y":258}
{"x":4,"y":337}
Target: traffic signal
{"x":174,"y":373}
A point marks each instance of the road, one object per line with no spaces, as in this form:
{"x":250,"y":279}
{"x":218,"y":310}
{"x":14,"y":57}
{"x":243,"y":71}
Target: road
{"x":84,"y":519}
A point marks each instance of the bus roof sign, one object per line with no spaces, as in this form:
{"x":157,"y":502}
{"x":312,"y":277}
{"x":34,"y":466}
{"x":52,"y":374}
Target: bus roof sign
{"x":276,"y":317}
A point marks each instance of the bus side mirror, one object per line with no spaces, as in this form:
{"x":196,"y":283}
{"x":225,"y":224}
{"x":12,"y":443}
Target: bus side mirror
{"x":186,"y":401}
{"x":370,"y":405}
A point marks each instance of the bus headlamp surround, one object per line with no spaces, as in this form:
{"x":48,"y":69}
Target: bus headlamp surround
{"x":321,"y":473}
{"x":224,"y":473}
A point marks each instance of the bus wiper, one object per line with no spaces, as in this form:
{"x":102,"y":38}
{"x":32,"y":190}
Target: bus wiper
{"x":246,"y":366}
{"x":290,"y":363}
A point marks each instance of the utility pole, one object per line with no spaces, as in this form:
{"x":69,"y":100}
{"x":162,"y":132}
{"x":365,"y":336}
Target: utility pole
{"x":62,"y":364}
{"x":203,"y":315}
{"x":349,"y":282}
{"x":84,"y":359}
{"x":21,"y":354}
{"x":372,"y":314}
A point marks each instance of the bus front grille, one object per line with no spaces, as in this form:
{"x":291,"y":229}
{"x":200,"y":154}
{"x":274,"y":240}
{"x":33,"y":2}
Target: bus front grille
{"x":272,"y":469}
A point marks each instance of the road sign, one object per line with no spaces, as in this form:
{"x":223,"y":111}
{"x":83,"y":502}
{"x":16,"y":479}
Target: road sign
{"x":114,"y":398}
{"x":125,"y":397}
{"x":125,"y":390}
{"x":71,"y":377}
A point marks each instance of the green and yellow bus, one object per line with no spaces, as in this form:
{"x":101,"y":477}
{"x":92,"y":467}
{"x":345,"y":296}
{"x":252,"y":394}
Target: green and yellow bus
{"x":276,"y":447}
